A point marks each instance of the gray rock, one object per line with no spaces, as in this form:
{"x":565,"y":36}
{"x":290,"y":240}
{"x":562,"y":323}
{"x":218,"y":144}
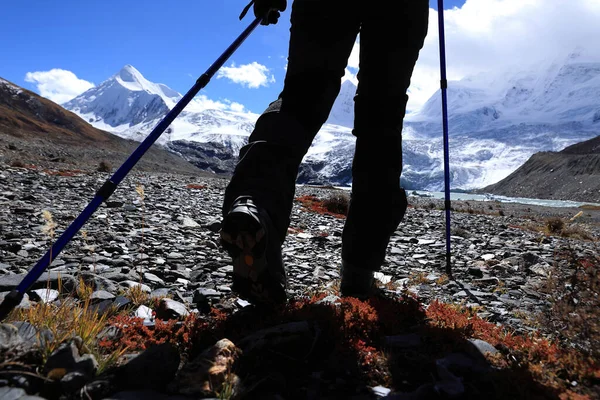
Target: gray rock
{"x":480,"y":348}
{"x":171,"y":309}
{"x":101,"y":283}
{"x":144,"y":312}
{"x":9,"y":337}
{"x":68,"y":282}
{"x":189,"y":223}
{"x":476,"y":272}
{"x":44,"y":295}
{"x":10,"y":393}
{"x":175,"y":256}
{"x":32,"y":337}
{"x":153,"y":278}
{"x":133,"y":284}
{"x":67,"y":357}
{"x":331,"y":299}
{"x":403,"y":341}
{"x":100,"y":295}
{"x":214,"y":226}
{"x":153,"y":369}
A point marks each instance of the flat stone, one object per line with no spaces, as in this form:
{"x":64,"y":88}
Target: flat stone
{"x":175,"y":256}
{"x":9,"y":337}
{"x":132,"y":284}
{"x":102,"y":295}
{"x":153,"y":278}
{"x":144,"y":312}
{"x":11,"y":393}
{"x":44,"y":295}
{"x":481,"y":347}
{"x":189,"y":223}
{"x":68,"y":282}
{"x":171,"y":309}
{"x":214,"y":226}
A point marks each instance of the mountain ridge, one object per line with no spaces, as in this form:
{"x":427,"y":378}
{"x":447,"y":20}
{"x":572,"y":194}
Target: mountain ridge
{"x":571,"y":174}
{"x":494,"y":127}
{"x":40,"y":132}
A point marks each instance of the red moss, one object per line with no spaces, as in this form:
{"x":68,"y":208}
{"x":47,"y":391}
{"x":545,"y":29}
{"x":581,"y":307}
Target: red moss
{"x":195,"y":186}
{"x":63,"y":172}
{"x":136,"y":336}
{"x":312,"y":203}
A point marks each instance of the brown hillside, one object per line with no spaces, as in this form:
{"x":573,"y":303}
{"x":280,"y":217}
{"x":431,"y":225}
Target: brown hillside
{"x":572,"y":174}
{"x":35,"y":130}
{"x":24,"y":113}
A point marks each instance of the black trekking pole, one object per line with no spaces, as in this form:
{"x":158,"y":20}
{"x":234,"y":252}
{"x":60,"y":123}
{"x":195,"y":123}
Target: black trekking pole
{"x":444,"y":86}
{"x":14,"y":297}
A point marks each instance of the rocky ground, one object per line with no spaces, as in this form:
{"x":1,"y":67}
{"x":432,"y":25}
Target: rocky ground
{"x":166,"y":227}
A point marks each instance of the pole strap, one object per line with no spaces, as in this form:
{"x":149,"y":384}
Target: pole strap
{"x":245,"y":11}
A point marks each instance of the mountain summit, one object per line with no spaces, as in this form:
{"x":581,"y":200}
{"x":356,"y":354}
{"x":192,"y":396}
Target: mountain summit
{"x":124,"y":100}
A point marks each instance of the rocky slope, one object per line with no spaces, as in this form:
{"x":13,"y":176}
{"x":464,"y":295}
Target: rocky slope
{"x":34,"y":130}
{"x":571,"y":174}
{"x":168,"y":240}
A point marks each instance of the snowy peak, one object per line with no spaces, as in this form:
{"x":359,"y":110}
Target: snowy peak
{"x":123,"y":101}
{"x":131,"y":79}
{"x":342,"y":112}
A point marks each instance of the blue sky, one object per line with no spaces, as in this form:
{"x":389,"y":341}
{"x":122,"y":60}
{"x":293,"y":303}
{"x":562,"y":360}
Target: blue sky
{"x":168,"y":42}
{"x":174,"y":42}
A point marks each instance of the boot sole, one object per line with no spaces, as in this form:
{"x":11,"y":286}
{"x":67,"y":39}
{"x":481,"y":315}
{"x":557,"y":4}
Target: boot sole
{"x":242,"y":237}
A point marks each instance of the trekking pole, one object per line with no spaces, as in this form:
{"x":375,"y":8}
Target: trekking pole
{"x":444,"y":86}
{"x":14,"y":297}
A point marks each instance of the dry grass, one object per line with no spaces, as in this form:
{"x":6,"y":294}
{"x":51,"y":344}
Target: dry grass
{"x":67,"y":319}
{"x":137,"y":296}
{"x":590,"y":207}
{"x":418,"y":278}
{"x":575,"y":297}
{"x":337,"y":203}
{"x":104,"y":166}
{"x":556,"y":226}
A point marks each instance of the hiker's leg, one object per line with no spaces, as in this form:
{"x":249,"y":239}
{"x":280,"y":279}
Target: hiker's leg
{"x":389,"y":47}
{"x":322,"y":36}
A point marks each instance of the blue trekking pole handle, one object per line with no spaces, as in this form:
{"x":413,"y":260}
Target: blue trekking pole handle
{"x":14,"y":297}
{"x":444,"y":87}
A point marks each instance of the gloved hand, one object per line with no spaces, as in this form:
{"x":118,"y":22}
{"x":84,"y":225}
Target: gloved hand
{"x":262,"y":7}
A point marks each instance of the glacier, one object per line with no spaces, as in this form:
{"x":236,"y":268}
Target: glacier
{"x":496,"y":122}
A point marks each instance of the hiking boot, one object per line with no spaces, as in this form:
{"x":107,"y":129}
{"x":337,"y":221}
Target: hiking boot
{"x":356,"y":282}
{"x":249,"y":237}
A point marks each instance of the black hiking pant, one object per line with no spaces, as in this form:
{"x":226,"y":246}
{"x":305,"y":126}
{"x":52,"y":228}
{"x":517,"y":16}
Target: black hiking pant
{"x":323,"y":33}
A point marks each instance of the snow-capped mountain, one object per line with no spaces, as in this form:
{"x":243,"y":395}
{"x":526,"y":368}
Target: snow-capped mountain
{"x":125,"y":100}
{"x":496,"y":124}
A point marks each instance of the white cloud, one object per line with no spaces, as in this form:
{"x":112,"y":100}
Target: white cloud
{"x":495,"y":36}
{"x":253,"y":75}
{"x":237,"y":107}
{"x":201,"y":103}
{"x":58,"y":85}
